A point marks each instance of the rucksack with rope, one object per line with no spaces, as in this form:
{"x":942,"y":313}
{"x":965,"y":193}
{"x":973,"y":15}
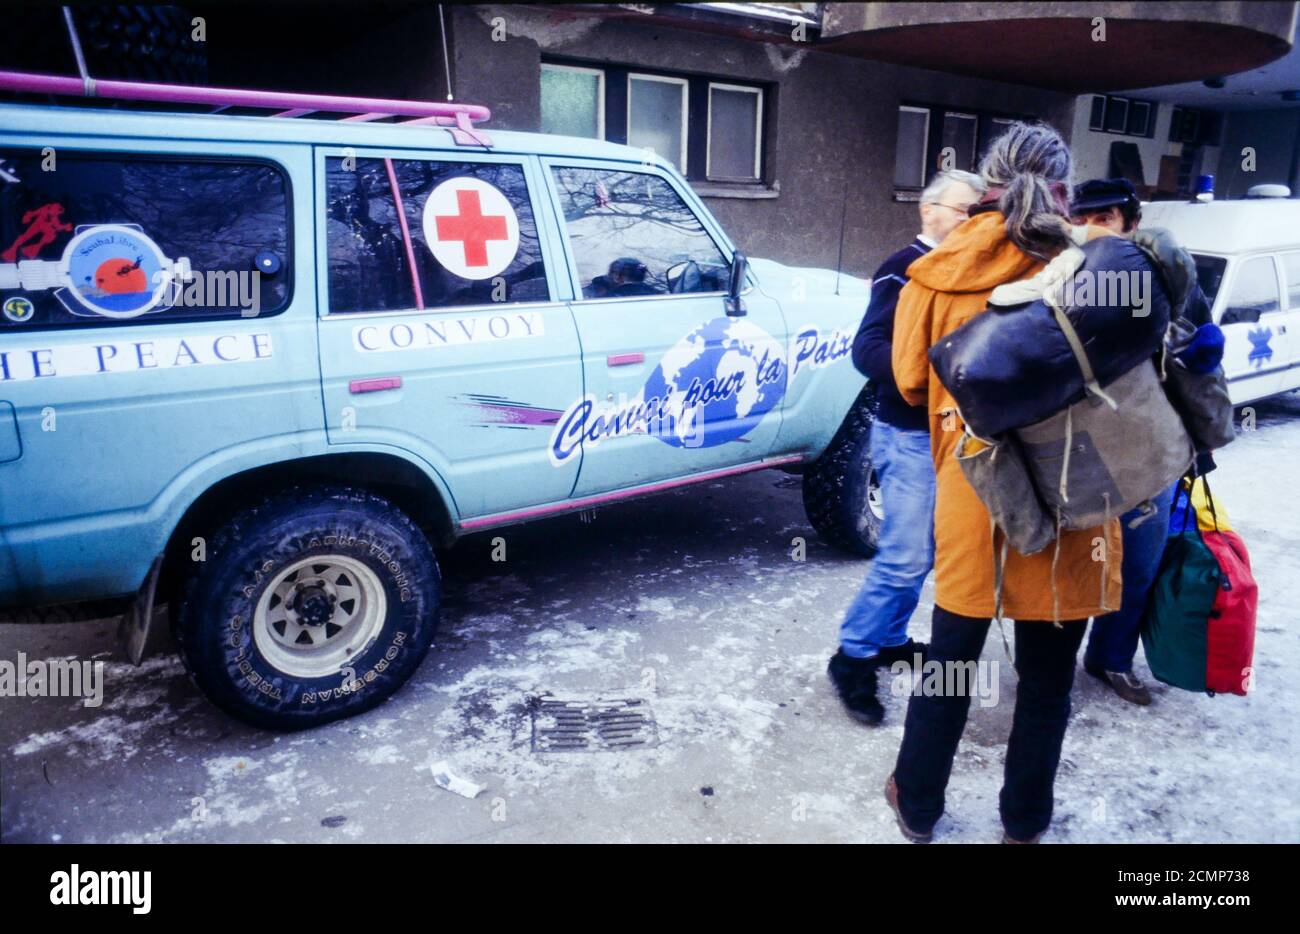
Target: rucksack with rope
{"x":1092,"y":459}
{"x":1114,"y":443}
{"x":1198,"y":631}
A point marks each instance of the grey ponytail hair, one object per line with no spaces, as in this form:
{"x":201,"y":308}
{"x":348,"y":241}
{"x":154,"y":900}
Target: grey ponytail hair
{"x":1024,"y":161}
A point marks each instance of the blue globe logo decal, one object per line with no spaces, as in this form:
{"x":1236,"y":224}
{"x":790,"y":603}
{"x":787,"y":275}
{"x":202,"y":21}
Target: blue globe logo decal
{"x":716,"y":384}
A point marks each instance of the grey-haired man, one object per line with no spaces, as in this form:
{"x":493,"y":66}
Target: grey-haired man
{"x":874,"y":631}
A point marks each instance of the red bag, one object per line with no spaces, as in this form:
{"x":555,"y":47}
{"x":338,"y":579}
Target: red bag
{"x":1230,"y":633}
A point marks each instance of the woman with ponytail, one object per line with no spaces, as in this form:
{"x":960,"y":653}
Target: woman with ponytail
{"x":1019,"y":225}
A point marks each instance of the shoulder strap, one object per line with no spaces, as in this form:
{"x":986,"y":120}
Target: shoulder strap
{"x":1076,"y":346}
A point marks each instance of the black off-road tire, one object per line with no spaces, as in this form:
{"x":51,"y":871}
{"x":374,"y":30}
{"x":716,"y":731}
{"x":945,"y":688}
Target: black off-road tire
{"x":838,"y":488}
{"x":353,"y":533}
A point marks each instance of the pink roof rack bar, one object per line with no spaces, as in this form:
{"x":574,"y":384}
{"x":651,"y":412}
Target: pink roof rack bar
{"x":457,"y":119}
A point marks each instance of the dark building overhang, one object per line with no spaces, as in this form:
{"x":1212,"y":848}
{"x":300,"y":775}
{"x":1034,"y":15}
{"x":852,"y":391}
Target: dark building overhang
{"x":789,"y":23}
{"x":1053,"y":45}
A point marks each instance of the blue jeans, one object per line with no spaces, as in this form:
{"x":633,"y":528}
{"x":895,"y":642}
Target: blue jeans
{"x":878,"y":616}
{"x":1114,"y":638}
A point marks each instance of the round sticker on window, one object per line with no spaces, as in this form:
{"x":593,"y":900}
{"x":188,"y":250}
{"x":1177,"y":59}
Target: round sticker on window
{"x":18,"y":310}
{"x":471,"y":228}
{"x":115,"y":271}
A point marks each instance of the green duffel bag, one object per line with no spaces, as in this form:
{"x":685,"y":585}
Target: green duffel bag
{"x":1174,"y":625}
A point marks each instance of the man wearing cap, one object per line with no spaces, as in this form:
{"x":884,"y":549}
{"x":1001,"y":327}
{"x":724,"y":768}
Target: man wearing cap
{"x":1113,"y":204}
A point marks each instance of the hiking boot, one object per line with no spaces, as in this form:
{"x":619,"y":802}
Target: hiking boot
{"x":1124,"y":683}
{"x":891,"y":795}
{"x":855,"y":682}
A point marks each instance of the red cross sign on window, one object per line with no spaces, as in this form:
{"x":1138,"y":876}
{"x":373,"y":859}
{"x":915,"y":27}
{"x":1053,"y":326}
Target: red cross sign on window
{"x":471,"y":228}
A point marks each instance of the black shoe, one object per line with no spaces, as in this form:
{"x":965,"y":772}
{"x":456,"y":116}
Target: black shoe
{"x":855,"y":681}
{"x":906,"y":652}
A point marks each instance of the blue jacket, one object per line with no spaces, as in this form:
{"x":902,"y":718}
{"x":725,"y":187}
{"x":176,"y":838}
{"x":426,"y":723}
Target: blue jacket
{"x":873,"y":344}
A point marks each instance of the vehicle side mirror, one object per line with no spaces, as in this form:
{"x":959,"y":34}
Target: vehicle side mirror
{"x":735,"y":285}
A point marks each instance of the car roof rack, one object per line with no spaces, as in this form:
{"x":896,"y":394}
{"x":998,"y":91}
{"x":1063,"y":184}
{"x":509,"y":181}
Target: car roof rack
{"x":457,"y":119}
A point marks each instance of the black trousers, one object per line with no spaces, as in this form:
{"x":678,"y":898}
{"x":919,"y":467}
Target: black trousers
{"x":1045,"y":656}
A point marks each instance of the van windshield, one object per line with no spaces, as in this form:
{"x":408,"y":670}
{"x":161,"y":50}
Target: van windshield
{"x":1209,"y":273}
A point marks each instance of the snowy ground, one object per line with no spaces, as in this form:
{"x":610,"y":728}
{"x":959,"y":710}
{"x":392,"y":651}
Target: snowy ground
{"x":691,"y":601}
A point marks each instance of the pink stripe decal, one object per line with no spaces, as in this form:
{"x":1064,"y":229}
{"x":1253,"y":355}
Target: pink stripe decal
{"x":537,"y":512}
{"x":406,"y":234}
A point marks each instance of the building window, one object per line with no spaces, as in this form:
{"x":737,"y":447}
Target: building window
{"x":957,"y":145}
{"x":995,"y":127}
{"x":1097,"y":113}
{"x":1194,"y":127}
{"x":657,"y":116}
{"x":913,"y":142}
{"x":710,"y":128}
{"x":931,"y":139}
{"x":1122,"y":115}
{"x":1139,"y":118}
{"x":573,"y":101}
{"x":1116,"y":115}
{"x":735,"y":133}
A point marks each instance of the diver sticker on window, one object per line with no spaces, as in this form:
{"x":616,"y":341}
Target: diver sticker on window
{"x":471,"y":228}
{"x":107,"y":270}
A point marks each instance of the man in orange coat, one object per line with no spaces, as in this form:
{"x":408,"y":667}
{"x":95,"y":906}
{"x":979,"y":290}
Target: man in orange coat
{"x":1018,"y":224}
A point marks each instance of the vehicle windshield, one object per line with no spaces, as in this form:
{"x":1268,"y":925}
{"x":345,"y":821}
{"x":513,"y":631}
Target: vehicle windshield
{"x":1209,"y":272}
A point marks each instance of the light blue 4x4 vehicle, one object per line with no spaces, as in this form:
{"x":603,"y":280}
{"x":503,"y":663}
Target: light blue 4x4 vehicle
{"x":259,"y":369}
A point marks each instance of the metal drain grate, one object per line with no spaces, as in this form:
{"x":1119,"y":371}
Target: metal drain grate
{"x":591,"y":724}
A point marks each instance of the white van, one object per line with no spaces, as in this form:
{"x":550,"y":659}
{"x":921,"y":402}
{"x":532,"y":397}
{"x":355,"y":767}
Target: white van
{"x":1248,"y":260}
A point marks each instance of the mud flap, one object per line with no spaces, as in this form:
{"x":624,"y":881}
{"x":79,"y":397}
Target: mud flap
{"x":137,"y":623}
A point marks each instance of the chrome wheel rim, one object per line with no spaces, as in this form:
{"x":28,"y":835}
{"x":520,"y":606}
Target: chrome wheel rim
{"x":318,"y":614}
{"x":875,"y":501}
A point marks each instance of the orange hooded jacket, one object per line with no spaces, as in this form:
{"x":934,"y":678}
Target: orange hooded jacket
{"x":948,"y":287}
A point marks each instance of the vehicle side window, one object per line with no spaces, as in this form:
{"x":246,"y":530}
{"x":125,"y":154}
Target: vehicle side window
{"x":632,"y":234}
{"x":473,"y":237}
{"x":107,"y":239}
{"x":1254,"y":291}
{"x":1291,"y":266}
{"x":1209,"y":274}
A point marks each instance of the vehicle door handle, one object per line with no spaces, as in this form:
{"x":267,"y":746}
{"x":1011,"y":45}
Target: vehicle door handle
{"x":625,"y":359}
{"x":377,"y":384}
